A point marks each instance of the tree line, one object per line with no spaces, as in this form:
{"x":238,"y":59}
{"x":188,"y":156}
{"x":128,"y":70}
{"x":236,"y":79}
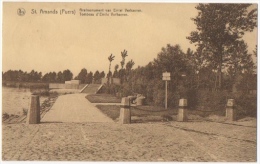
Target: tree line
{"x":52,"y":77}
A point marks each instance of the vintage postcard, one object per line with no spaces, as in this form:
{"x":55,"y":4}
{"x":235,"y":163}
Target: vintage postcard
{"x":129,"y":82}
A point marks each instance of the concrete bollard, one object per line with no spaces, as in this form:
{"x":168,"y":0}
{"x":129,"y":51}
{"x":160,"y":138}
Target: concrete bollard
{"x":230,"y":112}
{"x":33,"y":115}
{"x":182,"y":112}
{"x":125,"y":113}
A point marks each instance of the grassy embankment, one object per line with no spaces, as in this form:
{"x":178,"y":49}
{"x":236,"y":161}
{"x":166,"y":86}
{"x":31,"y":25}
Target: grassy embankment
{"x":144,"y":113}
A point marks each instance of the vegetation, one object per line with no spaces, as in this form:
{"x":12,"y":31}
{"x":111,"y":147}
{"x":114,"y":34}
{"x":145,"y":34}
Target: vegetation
{"x":220,"y":28}
{"x":103,"y":98}
{"x":34,"y":79}
{"x":140,"y":113}
{"x":109,"y":75}
{"x":220,"y":68}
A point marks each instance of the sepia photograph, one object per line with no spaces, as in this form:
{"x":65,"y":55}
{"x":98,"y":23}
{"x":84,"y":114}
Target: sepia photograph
{"x":129,"y":81}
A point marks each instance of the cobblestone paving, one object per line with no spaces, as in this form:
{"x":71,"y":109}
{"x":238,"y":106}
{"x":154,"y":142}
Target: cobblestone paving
{"x":172,"y":141}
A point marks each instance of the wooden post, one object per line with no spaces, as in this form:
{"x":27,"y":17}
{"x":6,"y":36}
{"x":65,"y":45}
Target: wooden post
{"x":230,"y":112}
{"x":125,"y":113}
{"x":166,"y":94}
{"x":33,"y":115}
{"x":182,"y":112}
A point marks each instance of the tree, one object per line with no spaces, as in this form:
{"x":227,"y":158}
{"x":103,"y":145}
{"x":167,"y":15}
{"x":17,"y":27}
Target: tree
{"x":122,"y":70}
{"x":238,"y":60}
{"x":219,"y":26}
{"x":110,"y":59}
{"x":59,"y":77}
{"x":67,"y":75}
{"x":82,"y":76}
{"x":115,"y":74}
{"x":96,"y":77}
{"x":49,"y":77}
{"x":124,"y":55}
{"x":129,"y":66}
{"x":171,"y":59}
{"x":89,"y":78}
{"x":102,"y":75}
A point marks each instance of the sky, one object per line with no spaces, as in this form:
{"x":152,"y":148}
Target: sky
{"x":54,"y":42}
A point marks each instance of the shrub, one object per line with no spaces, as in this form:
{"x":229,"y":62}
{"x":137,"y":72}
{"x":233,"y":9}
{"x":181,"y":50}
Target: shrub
{"x":246,"y":105}
{"x":159,"y":97}
{"x":212,"y":101}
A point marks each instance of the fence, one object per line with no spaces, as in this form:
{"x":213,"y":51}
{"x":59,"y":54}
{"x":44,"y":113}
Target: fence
{"x":182,"y":115}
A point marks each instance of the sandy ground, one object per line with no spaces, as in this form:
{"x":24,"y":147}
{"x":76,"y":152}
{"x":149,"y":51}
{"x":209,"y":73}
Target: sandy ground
{"x":169,"y":141}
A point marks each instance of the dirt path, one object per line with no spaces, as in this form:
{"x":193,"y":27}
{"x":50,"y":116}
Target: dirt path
{"x":172,"y":141}
{"x":74,"y":108}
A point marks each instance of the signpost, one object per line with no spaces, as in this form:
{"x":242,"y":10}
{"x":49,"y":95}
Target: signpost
{"x":166,"y":77}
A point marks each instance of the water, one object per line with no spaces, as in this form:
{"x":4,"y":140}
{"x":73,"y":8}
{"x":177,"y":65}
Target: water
{"x":14,"y":100}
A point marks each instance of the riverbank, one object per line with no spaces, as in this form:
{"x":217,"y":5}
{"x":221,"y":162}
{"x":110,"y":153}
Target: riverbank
{"x":45,"y":106}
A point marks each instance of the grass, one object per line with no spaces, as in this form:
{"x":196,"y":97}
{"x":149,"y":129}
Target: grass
{"x":140,"y":113}
{"x":144,"y":113}
{"x":112,"y":111}
{"x":103,"y":98}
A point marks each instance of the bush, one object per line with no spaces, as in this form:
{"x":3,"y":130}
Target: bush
{"x":113,"y":89}
{"x":159,"y":97}
{"x":246,"y":105}
{"x":212,"y":101}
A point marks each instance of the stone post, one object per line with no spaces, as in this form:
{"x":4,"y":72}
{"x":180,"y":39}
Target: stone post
{"x":182,"y":112}
{"x":230,"y":112}
{"x":125,"y":113}
{"x":33,"y":115}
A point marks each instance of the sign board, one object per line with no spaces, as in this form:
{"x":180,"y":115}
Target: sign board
{"x":166,"y":78}
{"x":166,"y":74}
